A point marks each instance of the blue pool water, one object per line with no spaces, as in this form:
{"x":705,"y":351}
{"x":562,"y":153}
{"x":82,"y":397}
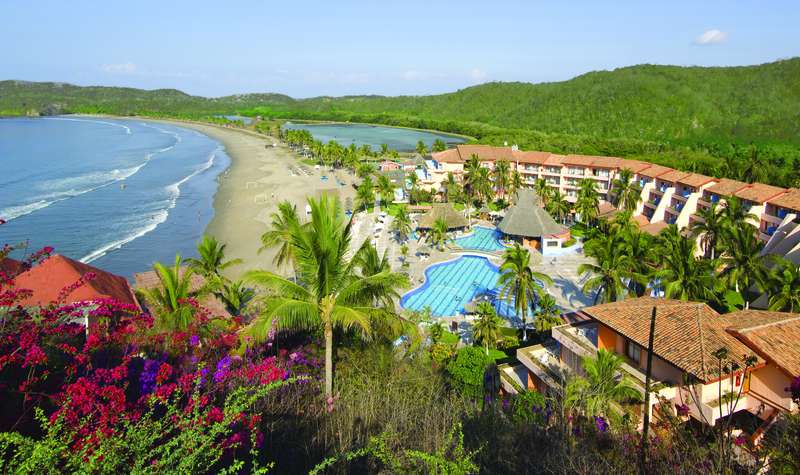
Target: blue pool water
{"x":451,"y":285}
{"x":482,"y":239}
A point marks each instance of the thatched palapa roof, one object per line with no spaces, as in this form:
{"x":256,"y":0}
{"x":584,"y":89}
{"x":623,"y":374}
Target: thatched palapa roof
{"x":445,"y":211}
{"x":526,"y":218}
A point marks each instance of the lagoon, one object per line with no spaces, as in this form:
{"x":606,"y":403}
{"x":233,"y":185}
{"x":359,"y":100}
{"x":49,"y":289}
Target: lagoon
{"x":402,"y":140}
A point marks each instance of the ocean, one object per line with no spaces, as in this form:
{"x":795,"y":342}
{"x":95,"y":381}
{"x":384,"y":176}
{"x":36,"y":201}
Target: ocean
{"x":117,"y":194}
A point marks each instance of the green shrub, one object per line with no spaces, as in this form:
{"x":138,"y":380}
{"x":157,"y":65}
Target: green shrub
{"x":466,"y":370}
{"x":441,"y":353}
{"x":529,"y":407}
{"x":569,"y":242}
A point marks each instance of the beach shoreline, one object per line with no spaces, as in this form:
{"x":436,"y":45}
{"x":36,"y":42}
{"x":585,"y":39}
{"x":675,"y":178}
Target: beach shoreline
{"x":259,"y":176}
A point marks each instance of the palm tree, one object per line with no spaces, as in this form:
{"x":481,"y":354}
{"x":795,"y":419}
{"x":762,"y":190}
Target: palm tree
{"x":744,"y":264}
{"x":212,"y":261}
{"x":588,"y":203}
{"x":385,"y":189}
{"x":438,"y":233}
{"x":609,"y":274}
{"x":450,"y":187}
{"x":402,"y":223}
{"x":709,"y":228}
{"x":501,"y":174}
{"x":783,"y":285}
{"x":439,"y":145}
{"x":543,"y":190}
{"x":365,"y":196}
{"x":639,"y":249}
{"x":332,"y":293}
{"x":172,"y":313}
{"x":680,"y":273}
{"x":486,"y":330}
{"x":626,"y":192}
{"x":236,"y":296}
{"x":384,"y":149}
{"x":734,"y":213}
{"x":482,"y":185}
{"x":558,"y":207}
{"x":546,"y":314}
{"x":601,"y":386}
{"x":519,"y":283}
{"x":283,"y":222}
{"x":413,"y":182}
{"x":421,"y":148}
{"x":516,"y":182}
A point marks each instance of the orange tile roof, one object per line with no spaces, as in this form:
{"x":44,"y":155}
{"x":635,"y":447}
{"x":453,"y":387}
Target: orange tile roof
{"x":485,"y":152}
{"x":790,"y":200}
{"x":538,"y":158}
{"x":775,"y":336}
{"x":641,"y":220}
{"x":447,"y":156}
{"x":759,"y":192}
{"x":655,"y":171}
{"x":57,"y":272}
{"x":687,"y":333}
{"x":673,"y":176}
{"x":554,"y":160}
{"x":607,"y":162}
{"x":150,"y":280}
{"x":654,"y":228}
{"x":726,"y":187}
{"x":606,"y":209}
{"x":580,"y":160}
{"x":634,"y":165}
{"x":695,"y":180}
{"x":11,"y":267}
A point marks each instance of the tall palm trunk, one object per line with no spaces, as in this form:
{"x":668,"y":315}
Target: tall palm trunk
{"x":328,"y":359}
{"x":326,"y":309}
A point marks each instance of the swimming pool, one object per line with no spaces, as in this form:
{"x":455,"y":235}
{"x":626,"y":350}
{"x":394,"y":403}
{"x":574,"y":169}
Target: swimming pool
{"x":451,"y":285}
{"x":482,"y":239}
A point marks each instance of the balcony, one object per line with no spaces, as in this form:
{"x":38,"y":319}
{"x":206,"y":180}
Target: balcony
{"x":543,"y":361}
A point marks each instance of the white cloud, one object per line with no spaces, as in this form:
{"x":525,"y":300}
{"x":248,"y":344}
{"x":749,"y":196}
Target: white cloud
{"x":413,"y":75}
{"x":711,"y":37}
{"x":122,"y":68}
{"x":477,"y":74}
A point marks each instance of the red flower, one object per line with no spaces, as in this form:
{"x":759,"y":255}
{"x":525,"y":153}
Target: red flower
{"x":164,"y":373}
{"x":215,"y":415}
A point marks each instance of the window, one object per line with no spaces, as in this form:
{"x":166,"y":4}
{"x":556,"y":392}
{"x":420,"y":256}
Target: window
{"x":633,"y":351}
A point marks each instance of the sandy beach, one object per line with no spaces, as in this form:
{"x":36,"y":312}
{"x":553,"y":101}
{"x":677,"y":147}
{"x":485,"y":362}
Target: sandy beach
{"x":259,"y":177}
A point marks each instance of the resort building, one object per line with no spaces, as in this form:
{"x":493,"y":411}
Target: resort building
{"x":689,"y":376}
{"x":60,"y":280}
{"x":527,"y":222}
{"x":668,"y":196}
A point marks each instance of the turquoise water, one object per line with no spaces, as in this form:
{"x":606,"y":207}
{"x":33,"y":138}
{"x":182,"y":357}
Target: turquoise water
{"x":482,"y":239}
{"x":119,"y":194}
{"x":451,"y":285}
{"x":402,"y":140}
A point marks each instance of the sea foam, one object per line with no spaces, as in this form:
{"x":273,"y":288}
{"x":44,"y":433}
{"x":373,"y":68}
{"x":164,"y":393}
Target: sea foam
{"x":161,"y":216}
{"x":127,"y":129}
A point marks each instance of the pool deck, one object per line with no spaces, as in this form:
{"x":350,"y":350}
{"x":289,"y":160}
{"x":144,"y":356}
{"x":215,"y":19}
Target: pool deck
{"x":567,"y":283}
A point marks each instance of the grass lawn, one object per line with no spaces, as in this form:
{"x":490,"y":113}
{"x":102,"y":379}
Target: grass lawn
{"x":496,"y":354}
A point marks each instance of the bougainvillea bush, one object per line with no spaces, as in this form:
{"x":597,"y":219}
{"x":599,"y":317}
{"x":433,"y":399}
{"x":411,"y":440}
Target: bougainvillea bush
{"x":118,"y":392}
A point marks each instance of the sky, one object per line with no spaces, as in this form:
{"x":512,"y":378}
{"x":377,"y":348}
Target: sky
{"x":411,"y":47}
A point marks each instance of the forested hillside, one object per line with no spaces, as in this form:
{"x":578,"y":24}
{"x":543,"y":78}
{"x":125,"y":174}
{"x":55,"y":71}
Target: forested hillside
{"x":741,"y":122}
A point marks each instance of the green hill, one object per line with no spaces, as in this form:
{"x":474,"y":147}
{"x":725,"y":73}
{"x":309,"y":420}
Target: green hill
{"x":714,"y":120}
{"x":638,"y":102}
